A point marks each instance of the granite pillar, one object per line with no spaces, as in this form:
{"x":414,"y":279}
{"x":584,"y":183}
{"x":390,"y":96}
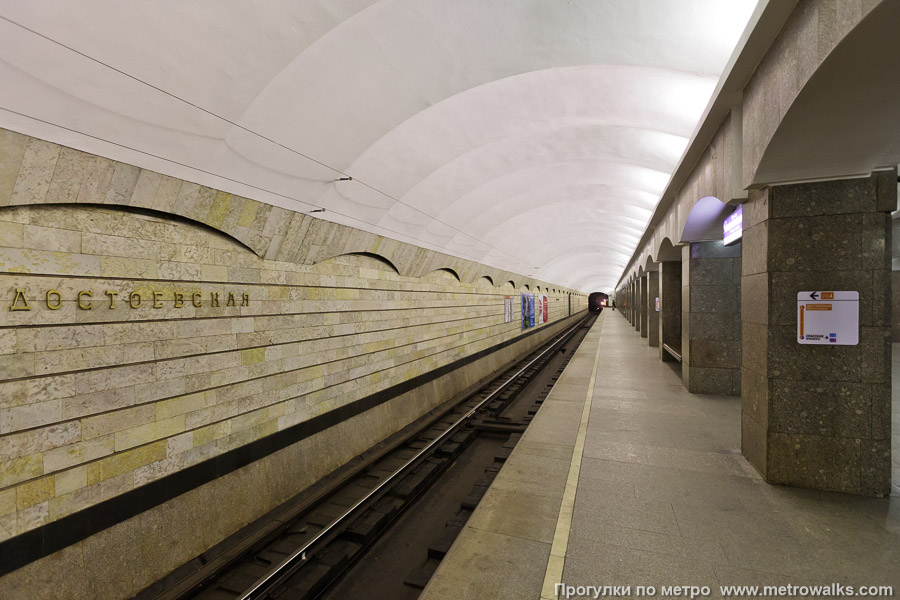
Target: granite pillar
{"x":630,"y":298}
{"x":670,"y":308}
{"x":645,"y":314}
{"x":895,"y":306}
{"x":637,"y":305}
{"x":631,"y":303}
{"x":652,"y":312}
{"x":628,"y":302}
{"x":711,"y":319}
{"x":818,"y":416}
{"x":895,"y":278}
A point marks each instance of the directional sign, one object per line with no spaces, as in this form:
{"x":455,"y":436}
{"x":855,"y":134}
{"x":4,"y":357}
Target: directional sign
{"x":733,"y":227}
{"x":828,"y":318}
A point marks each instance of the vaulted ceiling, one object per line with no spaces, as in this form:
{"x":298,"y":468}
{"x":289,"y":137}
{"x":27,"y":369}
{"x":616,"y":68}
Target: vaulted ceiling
{"x":530,"y":135}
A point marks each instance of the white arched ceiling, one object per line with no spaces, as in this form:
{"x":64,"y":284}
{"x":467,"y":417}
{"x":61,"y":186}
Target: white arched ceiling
{"x":529,"y":135}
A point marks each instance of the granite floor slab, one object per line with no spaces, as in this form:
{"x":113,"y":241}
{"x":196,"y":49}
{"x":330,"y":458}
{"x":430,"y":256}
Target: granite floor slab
{"x":660,"y":494}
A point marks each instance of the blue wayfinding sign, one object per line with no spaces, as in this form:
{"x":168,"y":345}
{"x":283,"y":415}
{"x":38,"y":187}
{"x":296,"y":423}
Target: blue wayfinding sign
{"x":733,"y":227}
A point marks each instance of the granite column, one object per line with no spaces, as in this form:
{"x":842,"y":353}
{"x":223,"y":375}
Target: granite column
{"x":818,"y":416}
{"x":645,"y":315}
{"x":637,"y":305}
{"x":711,"y":318}
{"x":652,"y":311}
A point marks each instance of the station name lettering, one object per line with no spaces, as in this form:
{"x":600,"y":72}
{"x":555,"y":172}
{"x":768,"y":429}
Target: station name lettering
{"x":88,"y":300}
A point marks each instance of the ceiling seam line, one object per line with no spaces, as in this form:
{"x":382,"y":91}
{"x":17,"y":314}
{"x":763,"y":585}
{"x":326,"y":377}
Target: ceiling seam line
{"x":250,"y":131}
{"x":262,"y":189}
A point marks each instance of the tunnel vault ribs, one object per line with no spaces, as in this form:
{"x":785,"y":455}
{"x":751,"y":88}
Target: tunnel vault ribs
{"x":302,"y":549}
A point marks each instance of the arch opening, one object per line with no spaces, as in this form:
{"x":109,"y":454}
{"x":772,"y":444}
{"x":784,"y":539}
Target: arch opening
{"x":704,"y":222}
{"x":373,"y":260}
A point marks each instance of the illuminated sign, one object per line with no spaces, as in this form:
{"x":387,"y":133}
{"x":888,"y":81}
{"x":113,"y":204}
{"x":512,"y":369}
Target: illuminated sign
{"x":733,"y":227}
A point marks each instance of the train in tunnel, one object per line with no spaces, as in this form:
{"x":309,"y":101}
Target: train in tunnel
{"x":597,"y":301}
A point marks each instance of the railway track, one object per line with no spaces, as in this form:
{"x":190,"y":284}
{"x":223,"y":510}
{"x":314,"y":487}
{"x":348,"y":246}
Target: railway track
{"x":307,"y":546}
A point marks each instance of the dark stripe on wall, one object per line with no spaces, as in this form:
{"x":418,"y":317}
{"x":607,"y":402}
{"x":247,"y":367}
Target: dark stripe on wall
{"x":45,"y":540}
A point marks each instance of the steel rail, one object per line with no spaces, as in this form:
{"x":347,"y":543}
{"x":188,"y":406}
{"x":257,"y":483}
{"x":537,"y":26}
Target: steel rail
{"x":292,"y":563}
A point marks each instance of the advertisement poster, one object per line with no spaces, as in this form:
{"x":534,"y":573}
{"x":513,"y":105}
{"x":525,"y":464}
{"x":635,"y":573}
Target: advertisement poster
{"x":546,"y":308}
{"x":527,"y":310}
{"x":538,"y":309}
{"x":531,"y":310}
{"x":507,"y":309}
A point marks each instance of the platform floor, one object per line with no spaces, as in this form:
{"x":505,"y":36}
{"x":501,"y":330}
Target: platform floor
{"x":625,"y":479}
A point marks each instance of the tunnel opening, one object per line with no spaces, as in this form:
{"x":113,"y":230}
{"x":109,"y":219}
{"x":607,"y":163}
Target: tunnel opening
{"x":670,"y":290}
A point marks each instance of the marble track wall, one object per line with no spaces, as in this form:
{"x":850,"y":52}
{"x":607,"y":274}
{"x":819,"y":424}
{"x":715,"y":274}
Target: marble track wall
{"x":150,"y":327}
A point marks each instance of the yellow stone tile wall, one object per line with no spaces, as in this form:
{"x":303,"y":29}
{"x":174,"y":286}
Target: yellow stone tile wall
{"x":134,"y":344}
{"x":125,"y":558}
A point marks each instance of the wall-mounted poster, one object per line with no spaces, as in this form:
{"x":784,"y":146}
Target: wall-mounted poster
{"x":527,"y":310}
{"x":538,"y":309}
{"x":546,"y":308}
{"x":507,"y":309}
